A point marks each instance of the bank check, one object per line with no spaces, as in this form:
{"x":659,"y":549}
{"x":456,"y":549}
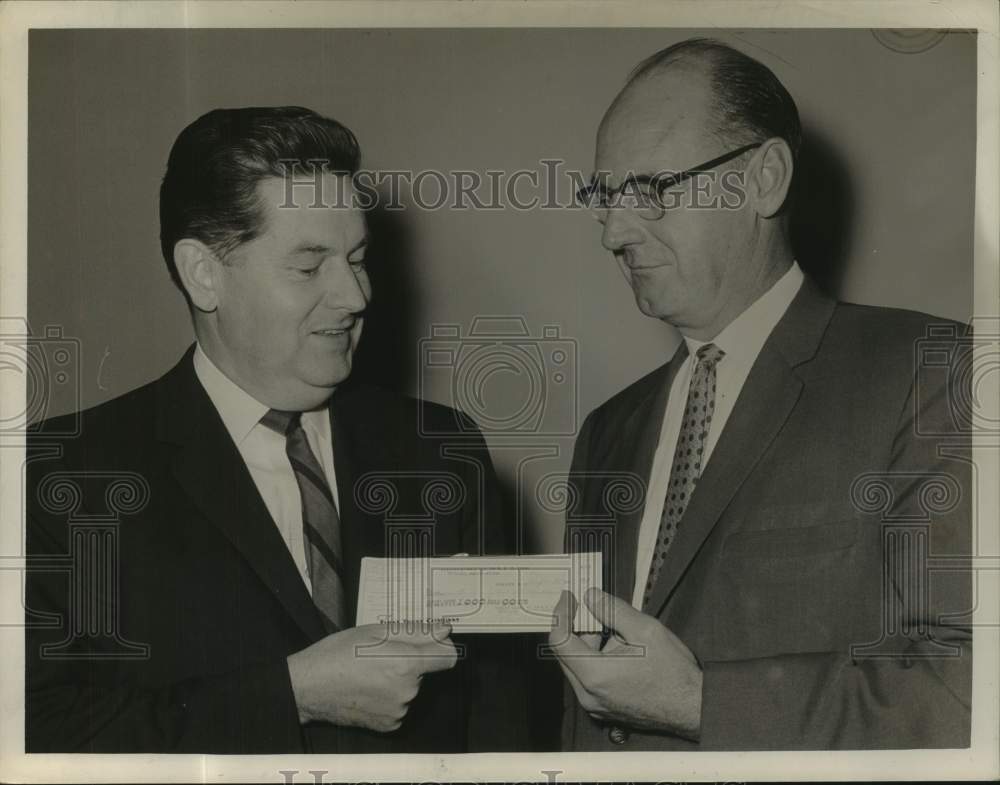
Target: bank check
{"x":495,"y":594}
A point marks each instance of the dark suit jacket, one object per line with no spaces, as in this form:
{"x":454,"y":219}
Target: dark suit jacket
{"x":798,"y":576}
{"x":181,"y":647}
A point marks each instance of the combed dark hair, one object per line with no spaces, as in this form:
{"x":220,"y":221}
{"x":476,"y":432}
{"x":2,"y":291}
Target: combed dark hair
{"x":209,"y":191}
{"x":749,"y":103}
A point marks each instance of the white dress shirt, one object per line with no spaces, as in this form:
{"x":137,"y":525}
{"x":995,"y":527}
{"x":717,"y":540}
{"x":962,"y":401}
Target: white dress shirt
{"x":263,"y":451}
{"x":741,"y":340}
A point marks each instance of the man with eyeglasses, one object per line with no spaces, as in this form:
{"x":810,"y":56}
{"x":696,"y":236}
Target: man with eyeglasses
{"x":762,"y":597}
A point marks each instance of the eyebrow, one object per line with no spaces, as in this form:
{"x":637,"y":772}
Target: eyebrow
{"x":307,"y":248}
{"x":312,"y":248}
{"x":640,"y":177}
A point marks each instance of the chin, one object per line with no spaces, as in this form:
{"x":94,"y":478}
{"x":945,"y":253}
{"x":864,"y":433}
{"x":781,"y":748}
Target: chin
{"x":330,"y":379}
{"x":648,"y":306}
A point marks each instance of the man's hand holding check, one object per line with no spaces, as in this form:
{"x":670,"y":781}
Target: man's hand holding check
{"x":643,"y":676}
{"x":334,"y":681}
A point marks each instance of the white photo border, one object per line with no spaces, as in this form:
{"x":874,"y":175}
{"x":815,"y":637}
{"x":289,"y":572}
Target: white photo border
{"x":982,"y":760}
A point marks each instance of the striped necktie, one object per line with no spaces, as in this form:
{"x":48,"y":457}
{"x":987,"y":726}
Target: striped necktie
{"x":687,"y":465}
{"x":320,"y":522}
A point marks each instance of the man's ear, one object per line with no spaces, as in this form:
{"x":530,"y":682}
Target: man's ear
{"x":770,"y":180}
{"x":197,"y":267}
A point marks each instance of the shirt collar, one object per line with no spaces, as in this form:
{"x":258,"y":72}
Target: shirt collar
{"x":745,"y":335}
{"x":239,"y":410}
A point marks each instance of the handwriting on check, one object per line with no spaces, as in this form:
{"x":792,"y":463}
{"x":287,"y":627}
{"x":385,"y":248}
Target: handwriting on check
{"x":494,"y":594}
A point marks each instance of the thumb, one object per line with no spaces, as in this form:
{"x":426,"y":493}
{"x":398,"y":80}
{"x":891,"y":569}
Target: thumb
{"x":615,"y":614}
{"x":562,"y":618}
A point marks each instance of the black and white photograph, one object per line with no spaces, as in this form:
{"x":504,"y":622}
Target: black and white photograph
{"x":452,"y":391}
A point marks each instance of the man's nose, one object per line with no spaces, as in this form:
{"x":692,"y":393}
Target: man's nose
{"x":619,"y":229}
{"x":346,"y":291}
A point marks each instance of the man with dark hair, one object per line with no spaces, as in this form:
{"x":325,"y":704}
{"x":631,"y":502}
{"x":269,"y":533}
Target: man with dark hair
{"x":239,"y":493}
{"x":209,"y":189}
{"x":770,"y":592}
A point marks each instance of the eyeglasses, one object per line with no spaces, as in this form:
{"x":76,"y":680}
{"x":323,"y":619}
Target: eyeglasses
{"x":646,"y":191}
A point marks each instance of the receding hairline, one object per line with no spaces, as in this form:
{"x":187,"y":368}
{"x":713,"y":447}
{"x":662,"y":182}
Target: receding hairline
{"x":638,"y":81}
{"x":743,"y":97}
{"x":692,"y":53}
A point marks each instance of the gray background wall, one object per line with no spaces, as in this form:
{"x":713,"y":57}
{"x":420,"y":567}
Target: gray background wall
{"x":888,"y":215}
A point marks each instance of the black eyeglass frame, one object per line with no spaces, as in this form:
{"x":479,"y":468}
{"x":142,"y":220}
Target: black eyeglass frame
{"x":659,"y":182}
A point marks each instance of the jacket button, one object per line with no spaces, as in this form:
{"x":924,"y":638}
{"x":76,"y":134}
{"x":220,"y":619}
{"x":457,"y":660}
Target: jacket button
{"x":617,"y":735}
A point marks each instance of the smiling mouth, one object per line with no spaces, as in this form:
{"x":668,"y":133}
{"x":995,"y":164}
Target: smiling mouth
{"x":635,"y":265}
{"x":332,"y":332}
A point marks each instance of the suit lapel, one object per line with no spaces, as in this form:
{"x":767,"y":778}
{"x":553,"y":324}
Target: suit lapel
{"x":629,"y":447}
{"x":211,"y":471}
{"x":768,"y":396}
{"x":764,"y":404}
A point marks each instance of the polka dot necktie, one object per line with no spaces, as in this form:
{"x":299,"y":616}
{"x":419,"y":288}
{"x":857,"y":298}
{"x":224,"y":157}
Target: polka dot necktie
{"x":320,"y":522}
{"x":688,"y":456}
